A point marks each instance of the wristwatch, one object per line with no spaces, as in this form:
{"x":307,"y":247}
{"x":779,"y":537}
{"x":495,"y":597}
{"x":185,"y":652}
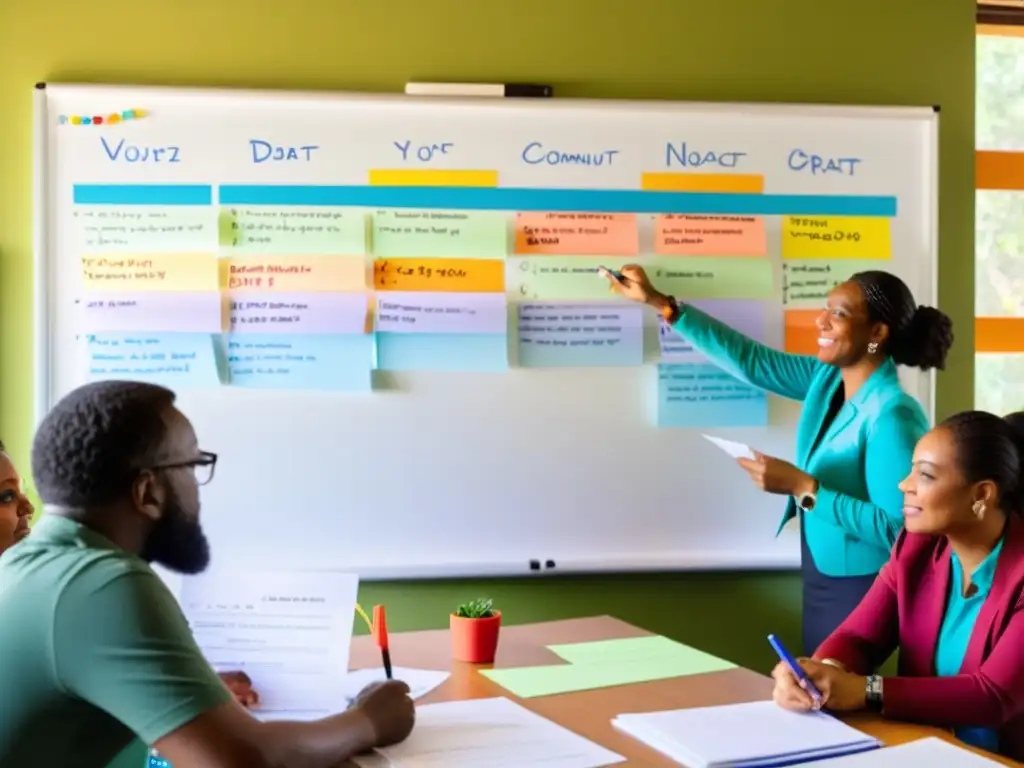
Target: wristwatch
{"x":806,"y":501}
{"x":670,"y":311}
{"x":873,"y":693}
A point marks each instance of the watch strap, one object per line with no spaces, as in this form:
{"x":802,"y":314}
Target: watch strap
{"x":670,"y":312}
{"x":873,"y":693}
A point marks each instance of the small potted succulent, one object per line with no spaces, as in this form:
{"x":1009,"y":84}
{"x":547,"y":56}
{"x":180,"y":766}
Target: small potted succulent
{"x":474,"y":629}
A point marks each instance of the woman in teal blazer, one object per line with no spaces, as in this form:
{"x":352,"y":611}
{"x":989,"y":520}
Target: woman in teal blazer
{"x":857,"y":429}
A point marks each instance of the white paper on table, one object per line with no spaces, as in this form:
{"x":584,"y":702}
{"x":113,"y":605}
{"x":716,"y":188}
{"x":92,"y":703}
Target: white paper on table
{"x":290,"y":631}
{"x":494,"y":732}
{"x":734,"y":449}
{"x":931,"y":751}
{"x":420,"y":681}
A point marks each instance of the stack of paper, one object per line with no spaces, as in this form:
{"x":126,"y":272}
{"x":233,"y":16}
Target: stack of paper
{"x":744,"y":735}
{"x":923,"y":752}
{"x":608,"y":663}
{"x":496,"y":733}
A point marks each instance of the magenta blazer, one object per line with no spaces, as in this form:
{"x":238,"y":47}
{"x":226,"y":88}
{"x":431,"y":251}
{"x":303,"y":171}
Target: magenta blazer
{"x":905,"y":607}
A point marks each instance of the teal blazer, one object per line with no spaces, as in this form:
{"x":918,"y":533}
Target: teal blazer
{"x":860,"y":461}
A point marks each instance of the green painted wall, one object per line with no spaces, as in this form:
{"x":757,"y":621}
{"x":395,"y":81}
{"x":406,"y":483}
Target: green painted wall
{"x":871,"y":51}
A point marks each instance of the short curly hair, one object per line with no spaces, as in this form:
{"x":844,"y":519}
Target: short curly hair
{"x":90,"y":445}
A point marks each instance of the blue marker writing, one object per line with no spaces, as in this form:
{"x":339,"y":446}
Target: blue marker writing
{"x":796,"y":668}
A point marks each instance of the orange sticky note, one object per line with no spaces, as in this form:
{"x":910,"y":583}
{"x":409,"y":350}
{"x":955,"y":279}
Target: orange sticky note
{"x":447,"y":275}
{"x":688,"y":235}
{"x":577,"y":234}
{"x":296,"y":274}
{"x":150,"y":272}
{"x":801,"y":331}
{"x":999,"y":334}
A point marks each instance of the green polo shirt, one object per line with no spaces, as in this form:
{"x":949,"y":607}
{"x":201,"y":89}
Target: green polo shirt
{"x":94,"y":652}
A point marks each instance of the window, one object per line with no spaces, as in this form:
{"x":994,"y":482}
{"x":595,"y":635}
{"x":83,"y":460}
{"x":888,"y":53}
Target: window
{"x":999,"y":241}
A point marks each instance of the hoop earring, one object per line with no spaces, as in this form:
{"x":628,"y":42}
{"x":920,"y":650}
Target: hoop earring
{"x":872,"y":347}
{"x":978,"y":509}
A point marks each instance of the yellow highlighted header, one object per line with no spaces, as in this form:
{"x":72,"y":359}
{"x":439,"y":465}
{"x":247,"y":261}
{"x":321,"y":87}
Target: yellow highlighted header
{"x":432,"y":178}
{"x":293,"y":274}
{"x":150,"y":272}
{"x":748,"y":183}
{"x":446,"y":275}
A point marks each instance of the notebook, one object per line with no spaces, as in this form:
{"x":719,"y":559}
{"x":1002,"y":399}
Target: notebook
{"x":923,"y":752}
{"x":755,"y":735}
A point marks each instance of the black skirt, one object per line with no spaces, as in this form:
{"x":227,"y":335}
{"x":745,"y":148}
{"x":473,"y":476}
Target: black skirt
{"x":827,"y":600}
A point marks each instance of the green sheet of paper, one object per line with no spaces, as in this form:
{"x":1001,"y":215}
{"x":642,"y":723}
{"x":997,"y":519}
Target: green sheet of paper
{"x":292,"y":229}
{"x":466,"y":234}
{"x":134,"y":228}
{"x":806,"y":283}
{"x":576,"y":278}
{"x":607,"y":663}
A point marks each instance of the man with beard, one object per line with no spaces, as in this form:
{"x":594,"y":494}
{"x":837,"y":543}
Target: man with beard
{"x":94,"y":649}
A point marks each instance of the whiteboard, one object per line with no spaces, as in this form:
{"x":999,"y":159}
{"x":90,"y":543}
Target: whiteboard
{"x":518,"y":472}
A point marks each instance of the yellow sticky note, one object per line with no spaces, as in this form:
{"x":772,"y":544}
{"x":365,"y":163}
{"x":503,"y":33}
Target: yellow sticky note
{"x":836,"y":237}
{"x":298,"y":274}
{"x":448,"y":275}
{"x":152,"y":272}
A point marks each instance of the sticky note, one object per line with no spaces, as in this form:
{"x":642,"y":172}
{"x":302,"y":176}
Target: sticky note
{"x":445,"y":275}
{"x":306,"y":313}
{"x":591,"y":234}
{"x":575,"y":335}
{"x":806,"y":283}
{"x":700,"y":277}
{"x":801,"y":331}
{"x":554,"y":278}
{"x":292,"y":229}
{"x":293,"y":274}
{"x":743,"y":315}
{"x":467,"y":234}
{"x":175,"y":360}
{"x":651,"y":648}
{"x":153,"y":272}
{"x":152,"y":312}
{"x":678,"y":235}
{"x":423,"y":312}
{"x":836,"y":237}
{"x":703,"y":395}
{"x":144,"y":228}
{"x":442,"y":352}
{"x":294,"y":361}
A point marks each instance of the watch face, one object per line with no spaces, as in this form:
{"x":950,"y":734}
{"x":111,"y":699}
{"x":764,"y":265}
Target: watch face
{"x":807,"y":502}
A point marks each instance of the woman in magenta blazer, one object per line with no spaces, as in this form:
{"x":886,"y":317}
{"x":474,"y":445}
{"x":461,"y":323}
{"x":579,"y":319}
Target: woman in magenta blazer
{"x":951,"y":597}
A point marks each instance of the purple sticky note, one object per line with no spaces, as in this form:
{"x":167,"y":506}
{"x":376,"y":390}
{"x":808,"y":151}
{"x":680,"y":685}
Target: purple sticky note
{"x":424,"y":312}
{"x":310,"y":313}
{"x":152,"y":312}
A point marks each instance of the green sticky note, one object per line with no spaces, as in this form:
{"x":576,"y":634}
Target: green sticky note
{"x":547,"y":278}
{"x":636,"y":649}
{"x":144,"y":228}
{"x":806,"y":283}
{"x":466,"y":234}
{"x":292,"y":229}
{"x":605,"y":667}
{"x":723,"y":277}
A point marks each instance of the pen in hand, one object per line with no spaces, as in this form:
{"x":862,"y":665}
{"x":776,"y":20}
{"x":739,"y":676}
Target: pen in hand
{"x":380,"y":634}
{"x":797,"y":670}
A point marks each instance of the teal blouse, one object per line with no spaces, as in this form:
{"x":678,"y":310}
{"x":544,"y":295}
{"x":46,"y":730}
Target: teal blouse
{"x":955,"y":634}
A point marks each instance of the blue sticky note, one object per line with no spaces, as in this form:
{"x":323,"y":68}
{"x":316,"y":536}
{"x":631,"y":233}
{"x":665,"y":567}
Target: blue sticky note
{"x":442,"y":351}
{"x":174,"y":360}
{"x":296,"y":361}
{"x":579,"y":335}
{"x":703,"y":395}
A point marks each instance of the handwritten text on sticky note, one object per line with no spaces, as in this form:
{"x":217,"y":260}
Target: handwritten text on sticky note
{"x":267,"y":229}
{"x":806,"y":283}
{"x":591,"y":234}
{"x":294,"y":274}
{"x":836,"y":237}
{"x":449,"y":275}
{"x":468,"y":234}
{"x":154,"y":272}
{"x":679,"y":235}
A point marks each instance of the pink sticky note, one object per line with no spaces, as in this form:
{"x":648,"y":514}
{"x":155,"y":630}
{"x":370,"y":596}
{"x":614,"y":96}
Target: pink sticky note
{"x":688,"y":235}
{"x":577,"y":234}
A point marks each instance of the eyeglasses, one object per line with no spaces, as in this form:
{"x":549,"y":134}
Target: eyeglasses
{"x":202,"y":466}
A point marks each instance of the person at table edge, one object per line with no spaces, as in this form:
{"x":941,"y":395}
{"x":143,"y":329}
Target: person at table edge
{"x":951,"y":598}
{"x":857,"y":427}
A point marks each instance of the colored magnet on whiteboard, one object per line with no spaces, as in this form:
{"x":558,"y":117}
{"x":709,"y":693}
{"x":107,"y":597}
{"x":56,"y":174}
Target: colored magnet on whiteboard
{"x":76,"y":120}
{"x":139,"y":113}
{"x":97,"y":120}
{"x":127,"y":114}
{"x":86,"y":121}
{"x":62,"y":120}
{"x":111,"y":119}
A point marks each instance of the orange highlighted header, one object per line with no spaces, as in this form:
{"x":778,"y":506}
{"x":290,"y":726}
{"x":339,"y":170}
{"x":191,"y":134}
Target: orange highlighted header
{"x":999,"y":170}
{"x":577,"y":234}
{"x":748,"y":183}
{"x":999,"y":334}
{"x":294,"y":274}
{"x":443,"y":275}
{"x":433,"y":178}
{"x":686,"y":235}
{"x":801,"y":331}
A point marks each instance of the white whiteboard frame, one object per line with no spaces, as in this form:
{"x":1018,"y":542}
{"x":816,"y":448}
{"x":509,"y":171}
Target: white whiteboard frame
{"x":43,"y":342}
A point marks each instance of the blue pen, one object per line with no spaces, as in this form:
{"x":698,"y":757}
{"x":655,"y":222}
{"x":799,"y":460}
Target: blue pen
{"x":797,"y":669}
{"x":617,"y":275}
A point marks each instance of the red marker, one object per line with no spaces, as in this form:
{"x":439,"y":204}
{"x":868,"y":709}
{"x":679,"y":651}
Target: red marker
{"x":380,"y":634}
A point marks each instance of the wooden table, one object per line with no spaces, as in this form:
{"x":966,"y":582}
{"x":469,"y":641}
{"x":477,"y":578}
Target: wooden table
{"x":589,"y":713}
